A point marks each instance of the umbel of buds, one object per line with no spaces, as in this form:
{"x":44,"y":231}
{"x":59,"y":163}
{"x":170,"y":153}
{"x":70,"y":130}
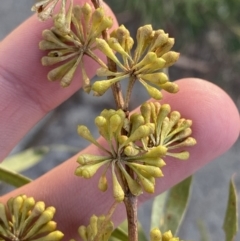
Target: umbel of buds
{"x":77,"y":32}
{"x":99,"y":227}
{"x":149,"y":136}
{"x":156,"y":235}
{"x":151,"y":55}
{"x":24,"y":219}
{"x":73,"y":36}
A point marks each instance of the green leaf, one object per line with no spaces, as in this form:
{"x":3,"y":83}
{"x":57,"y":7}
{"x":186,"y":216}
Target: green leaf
{"x":24,"y":159}
{"x":13,"y":178}
{"x":141,"y":234}
{"x":230,"y":225}
{"x":169,"y":208}
{"x":121,"y":232}
{"x":204,"y":233}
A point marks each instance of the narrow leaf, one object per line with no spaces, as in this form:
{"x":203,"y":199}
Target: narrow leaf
{"x":158,"y":209}
{"x":24,"y":159}
{"x":204,"y":233}
{"x":121,"y":232}
{"x":171,"y":207}
{"x":141,"y":234}
{"x":13,"y":178}
{"x":230,"y":225}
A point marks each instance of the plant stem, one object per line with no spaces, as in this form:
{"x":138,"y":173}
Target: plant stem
{"x":116,"y":88}
{"x":130,"y":202}
{"x":129,"y":92}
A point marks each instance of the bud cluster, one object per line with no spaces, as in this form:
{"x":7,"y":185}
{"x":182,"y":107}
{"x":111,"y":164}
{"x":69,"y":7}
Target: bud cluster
{"x":148,"y":137}
{"x":151,"y":55}
{"x":99,"y":227}
{"x":73,"y":36}
{"x":25,"y":219}
{"x":156,"y":235}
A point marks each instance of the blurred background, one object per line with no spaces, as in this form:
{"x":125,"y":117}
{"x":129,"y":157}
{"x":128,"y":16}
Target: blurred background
{"x":207,"y":34}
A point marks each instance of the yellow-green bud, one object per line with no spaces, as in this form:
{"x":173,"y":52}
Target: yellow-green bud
{"x":105,"y":72}
{"x":115,"y":122}
{"x":100,"y":87}
{"x":90,"y":159}
{"x":115,"y":45}
{"x":55,"y":235}
{"x":59,"y":72}
{"x":121,"y":139}
{"x":97,"y":16}
{"x":158,"y":162}
{"x":165,"y":48}
{"x":170,"y":87}
{"x":47,"y":228}
{"x":86,"y":11}
{"x":102,"y":183}
{"x":103,"y":46}
{"x":93,"y":225}
{"x":155,"y":78}
{"x":184,"y":155}
{"x":167,"y":236}
{"x":149,"y":58}
{"x":146,"y":183}
{"x":155,"y":235}
{"x":144,"y":35}
{"x":67,"y":78}
{"x":85,"y":133}
{"x":152,"y":67}
{"x":118,"y":192}
{"x":136,"y":120}
{"x":152,"y":91}
{"x":146,"y":111}
{"x":146,"y":170}
{"x":133,"y":185}
{"x":159,"y":39}
{"x":82,"y":231}
{"x":141,"y":132}
{"x":155,"y":152}
{"x":88,"y":171}
{"x":131,"y":151}
{"x":51,"y":37}
{"x":170,"y":57}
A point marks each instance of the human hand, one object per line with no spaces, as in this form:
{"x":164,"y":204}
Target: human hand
{"x":26,"y":96}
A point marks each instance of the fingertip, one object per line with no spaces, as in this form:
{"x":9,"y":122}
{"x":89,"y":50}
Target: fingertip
{"x":215,"y":117}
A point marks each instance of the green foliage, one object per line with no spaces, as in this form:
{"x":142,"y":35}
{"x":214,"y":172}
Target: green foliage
{"x":169,"y":208}
{"x":25,"y":159}
{"x":188,"y":19}
{"x":121,"y":232}
{"x":13,"y":178}
{"x":230,"y":225}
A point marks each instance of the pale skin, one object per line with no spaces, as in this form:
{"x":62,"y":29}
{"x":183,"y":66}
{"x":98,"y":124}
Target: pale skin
{"x":27,"y":96}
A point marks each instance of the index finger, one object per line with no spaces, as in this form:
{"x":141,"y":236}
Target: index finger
{"x":26,"y":94}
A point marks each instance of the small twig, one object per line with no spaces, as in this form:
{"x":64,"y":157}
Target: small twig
{"x":116,"y":88}
{"x":130,"y":202}
{"x":107,"y":219}
{"x":129,"y":92}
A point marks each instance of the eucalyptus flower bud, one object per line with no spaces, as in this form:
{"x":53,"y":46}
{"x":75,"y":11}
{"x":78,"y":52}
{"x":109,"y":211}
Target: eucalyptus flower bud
{"x":167,"y":236}
{"x":152,"y":91}
{"x":102,"y":183}
{"x":170,"y":57}
{"x":155,"y":235}
{"x":118,"y":192}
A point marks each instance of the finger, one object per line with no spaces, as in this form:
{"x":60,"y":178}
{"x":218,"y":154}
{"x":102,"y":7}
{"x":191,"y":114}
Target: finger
{"x":215,"y":126}
{"x":26,"y":94}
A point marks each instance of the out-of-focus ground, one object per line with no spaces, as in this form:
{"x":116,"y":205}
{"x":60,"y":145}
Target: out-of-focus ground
{"x":206,"y":54}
